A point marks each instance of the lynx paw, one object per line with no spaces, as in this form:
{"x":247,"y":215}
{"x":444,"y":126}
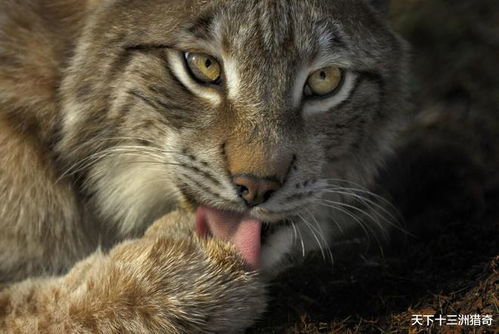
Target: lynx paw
{"x":179,"y":284}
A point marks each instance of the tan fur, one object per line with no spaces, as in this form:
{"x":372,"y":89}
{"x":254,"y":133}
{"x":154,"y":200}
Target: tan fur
{"x":28,"y":177}
{"x":103,"y":132}
{"x":129,"y":290}
{"x":257,"y":159}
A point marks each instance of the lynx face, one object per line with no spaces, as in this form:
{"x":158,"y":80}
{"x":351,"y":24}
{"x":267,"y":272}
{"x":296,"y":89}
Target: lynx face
{"x":244,"y":109}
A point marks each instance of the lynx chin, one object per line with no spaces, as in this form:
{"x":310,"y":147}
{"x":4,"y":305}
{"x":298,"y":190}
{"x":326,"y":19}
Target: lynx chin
{"x":161,"y":159}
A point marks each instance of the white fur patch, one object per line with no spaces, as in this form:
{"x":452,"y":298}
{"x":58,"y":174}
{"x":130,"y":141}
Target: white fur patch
{"x":232,"y":78}
{"x":132,"y":194}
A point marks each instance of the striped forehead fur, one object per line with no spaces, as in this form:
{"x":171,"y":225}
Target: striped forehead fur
{"x":274,"y":25}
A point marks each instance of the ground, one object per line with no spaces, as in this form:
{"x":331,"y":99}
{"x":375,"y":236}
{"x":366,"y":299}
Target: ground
{"x":444,"y":181}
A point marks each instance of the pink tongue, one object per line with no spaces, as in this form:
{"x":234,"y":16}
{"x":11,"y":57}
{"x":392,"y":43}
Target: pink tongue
{"x":241,"y":230}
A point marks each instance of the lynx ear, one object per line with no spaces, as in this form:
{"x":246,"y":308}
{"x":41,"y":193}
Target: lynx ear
{"x":380,"y":6}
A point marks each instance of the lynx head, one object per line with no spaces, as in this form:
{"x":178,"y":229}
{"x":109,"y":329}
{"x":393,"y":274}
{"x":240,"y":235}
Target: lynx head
{"x":244,"y":109}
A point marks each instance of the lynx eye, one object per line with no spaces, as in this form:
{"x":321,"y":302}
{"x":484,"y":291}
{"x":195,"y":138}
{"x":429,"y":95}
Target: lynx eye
{"x":203,"y":68}
{"x":324,"y":82}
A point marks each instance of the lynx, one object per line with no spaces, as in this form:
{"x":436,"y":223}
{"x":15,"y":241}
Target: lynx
{"x":161,"y":159}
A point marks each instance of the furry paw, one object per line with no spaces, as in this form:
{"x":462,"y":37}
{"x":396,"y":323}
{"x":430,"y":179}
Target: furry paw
{"x":169,"y":282}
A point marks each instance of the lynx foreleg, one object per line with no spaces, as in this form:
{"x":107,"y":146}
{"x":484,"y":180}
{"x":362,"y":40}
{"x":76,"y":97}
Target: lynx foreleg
{"x":150,"y":285}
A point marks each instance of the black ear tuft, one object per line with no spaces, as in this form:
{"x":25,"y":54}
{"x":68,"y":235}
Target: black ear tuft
{"x":381,"y":6}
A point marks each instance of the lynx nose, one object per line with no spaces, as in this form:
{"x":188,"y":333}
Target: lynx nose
{"x":255,"y":190}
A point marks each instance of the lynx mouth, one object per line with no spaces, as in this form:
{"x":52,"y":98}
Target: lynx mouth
{"x":244,"y":231}
{"x":247,"y":233}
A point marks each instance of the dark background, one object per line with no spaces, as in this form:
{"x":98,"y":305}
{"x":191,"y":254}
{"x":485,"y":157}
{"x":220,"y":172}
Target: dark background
{"x":444,"y":181}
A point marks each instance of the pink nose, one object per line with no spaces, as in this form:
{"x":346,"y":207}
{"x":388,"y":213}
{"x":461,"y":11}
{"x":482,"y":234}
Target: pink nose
{"x":255,"y":190}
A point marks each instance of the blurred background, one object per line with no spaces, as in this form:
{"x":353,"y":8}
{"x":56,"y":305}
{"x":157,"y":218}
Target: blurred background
{"x":444,"y":182}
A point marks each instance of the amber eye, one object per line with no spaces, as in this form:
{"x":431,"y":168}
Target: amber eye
{"x":204,"y":68}
{"x":324,"y":81}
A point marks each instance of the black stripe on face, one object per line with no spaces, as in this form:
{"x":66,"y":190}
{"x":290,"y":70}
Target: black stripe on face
{"x":173,"y":115}
{"x":360,"y":122}
{"x":164,"y":58}
{"x":378,"y":80}
{"x":357,"y":120}
{"x":146,"y":47}
{"x":201,"y":28}
{"x":370,"y":76}
{"x":145,"y":99}
{"x":373,"y":77}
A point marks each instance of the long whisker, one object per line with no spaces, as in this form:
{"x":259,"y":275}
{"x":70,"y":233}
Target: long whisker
{"x":322,"y":235}
{"x":362,"y":189}
{"x":297,"y":229}
{"x":314,"y":235}
{"x":115,"y":140}
{"x":353,"y":192}
{"x":363,"y":212}
{"x":385,"y":215}
{"x":365,"y":227}
{"x":92,"y":159}
{"x":145,"y":162}
{"x":295,"y":234}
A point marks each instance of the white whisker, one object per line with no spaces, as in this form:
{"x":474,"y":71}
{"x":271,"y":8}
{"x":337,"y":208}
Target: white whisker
{"x":297,"y":229}
{"x":376,"y":208}
{"x":314,"y":235}
{"x":362,"y":189}
{"x":322,"y":235}
{"x":365,"y":227}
